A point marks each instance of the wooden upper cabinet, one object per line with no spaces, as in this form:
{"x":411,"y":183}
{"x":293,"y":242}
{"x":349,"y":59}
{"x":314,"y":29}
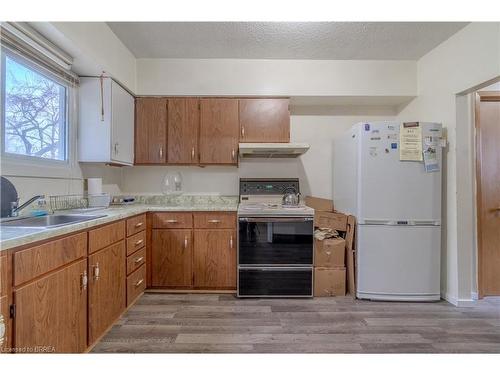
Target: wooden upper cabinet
{"x":107,"y":288}
{"x":183,"y":127}
{"x":264,"y":120}
{"x":219,"y":131}
{"x":52,"y":311}
{"x":150,"y":130}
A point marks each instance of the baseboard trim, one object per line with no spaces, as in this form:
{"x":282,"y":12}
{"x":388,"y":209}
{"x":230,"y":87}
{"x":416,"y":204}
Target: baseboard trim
{"x":460,"y":302}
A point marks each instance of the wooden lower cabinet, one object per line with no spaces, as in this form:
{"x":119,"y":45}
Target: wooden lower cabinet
{"x":214,"y":259}
{"x":171,"y":258}
{"x":107,"y":289}
{"x":51,"y":313}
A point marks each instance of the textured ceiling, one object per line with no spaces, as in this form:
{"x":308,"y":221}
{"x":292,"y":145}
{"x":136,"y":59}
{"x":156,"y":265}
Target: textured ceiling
{"x":284,"y":40}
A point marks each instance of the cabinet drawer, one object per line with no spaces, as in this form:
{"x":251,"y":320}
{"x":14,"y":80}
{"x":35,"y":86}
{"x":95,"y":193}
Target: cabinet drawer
{"x":38,"y":260}
{"x":136,"y":242}
{"x":136,"y":260}
{"x":172,"y":220}
{"x":136,"y":284}
{"x":215,"y":220}
{"x":106,"y":235}
{"x":136,"y":224}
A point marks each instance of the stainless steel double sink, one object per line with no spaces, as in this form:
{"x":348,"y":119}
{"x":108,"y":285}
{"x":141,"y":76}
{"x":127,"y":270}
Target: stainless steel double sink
{"x":48,"y":221}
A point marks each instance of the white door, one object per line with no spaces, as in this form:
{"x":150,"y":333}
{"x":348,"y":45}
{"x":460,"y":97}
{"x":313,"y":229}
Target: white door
{"x":122,"y":133}
{"x":391,"y":189}
{"x":398,"y":262}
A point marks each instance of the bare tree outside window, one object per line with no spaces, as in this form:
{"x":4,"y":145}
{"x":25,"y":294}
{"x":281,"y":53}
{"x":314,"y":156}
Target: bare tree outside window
{"x":35,"y":113}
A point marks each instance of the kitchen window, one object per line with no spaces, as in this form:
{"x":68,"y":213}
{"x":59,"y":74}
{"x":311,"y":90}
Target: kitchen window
{"x":35,"y":112}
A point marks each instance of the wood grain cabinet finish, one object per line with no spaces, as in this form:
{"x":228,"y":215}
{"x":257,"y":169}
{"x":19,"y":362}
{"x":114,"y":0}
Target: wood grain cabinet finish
{"x":183,"y":128}
{"x":106,"y":235}
{"x":150,"y":130}
{"x":215,"y":220}
{"x":214,"y":259}
{"x":136,"y":224}
{"x":4,"y":272}
{"x":136,"y":284}
{"x":136,"y":260}
{"x":171,"y":258}
{"x":107,"y":293}
{"x":5,"y":295}
{"x":35,"y":261}
{"x":219,"y":131}
{"x":171,"y":220}
{"x":52,"y":312}
{"x":264,"y":120}
{"x":136,"y":242}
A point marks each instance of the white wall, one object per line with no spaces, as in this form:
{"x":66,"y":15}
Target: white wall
{"x":314,"y":168}
{"x":275,"y":77}
{"x":94,"y":47}
{"x":469,"y":58}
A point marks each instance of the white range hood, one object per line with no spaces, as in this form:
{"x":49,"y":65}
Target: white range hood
{"x":272,"y":150}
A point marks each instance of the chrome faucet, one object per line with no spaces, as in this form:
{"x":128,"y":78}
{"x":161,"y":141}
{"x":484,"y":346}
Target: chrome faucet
{"x":15,"y":208}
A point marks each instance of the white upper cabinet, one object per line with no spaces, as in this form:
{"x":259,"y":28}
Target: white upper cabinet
{"x":106,"y":122}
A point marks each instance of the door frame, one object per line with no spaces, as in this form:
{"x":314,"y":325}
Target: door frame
{"x":480,"y":96}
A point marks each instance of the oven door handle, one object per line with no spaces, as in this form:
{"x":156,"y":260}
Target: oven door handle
{"x":275,"y":219}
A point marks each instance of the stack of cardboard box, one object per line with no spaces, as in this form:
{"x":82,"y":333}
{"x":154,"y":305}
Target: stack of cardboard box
{"x":332,"y":254}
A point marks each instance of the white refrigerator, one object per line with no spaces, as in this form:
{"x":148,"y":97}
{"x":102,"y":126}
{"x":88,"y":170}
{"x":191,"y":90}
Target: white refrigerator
{"x":397,"y":205}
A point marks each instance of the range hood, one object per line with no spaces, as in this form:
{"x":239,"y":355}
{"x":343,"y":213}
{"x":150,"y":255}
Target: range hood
{"x":272,"y":150}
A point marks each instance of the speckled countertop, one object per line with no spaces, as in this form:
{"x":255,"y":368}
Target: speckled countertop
{"x":11,"y":237}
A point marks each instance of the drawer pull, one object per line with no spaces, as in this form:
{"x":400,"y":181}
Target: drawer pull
{"x":139,"y":260}
{"x":139,"y":242}
{"x":138,"y":225}
{"x":139,"y":283}
{"x":96,"y":272}
{"x":214,"y":221}
{"x":171,"y":221}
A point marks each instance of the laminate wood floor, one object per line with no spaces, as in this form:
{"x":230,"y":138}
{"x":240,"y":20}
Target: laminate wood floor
{"x":210,"y":323}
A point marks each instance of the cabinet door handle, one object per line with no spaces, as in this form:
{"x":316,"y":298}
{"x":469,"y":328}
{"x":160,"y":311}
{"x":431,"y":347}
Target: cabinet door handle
{"x":139,"y":242}
{"x":139,"y":282}
{"x":233,"y":153}
{"x":161,"y":152}
{"x":214,"y":221}
{"x":231,"y":242}
{"x":185,"y":242}
{"x":138,"y":225}
{"x":116,"y":148}
{"x":84,"y":280}
{"x":243,"y":131}
{"x":139,"y":260}
{"x":96,"y":272}
{"x":192,"y":153}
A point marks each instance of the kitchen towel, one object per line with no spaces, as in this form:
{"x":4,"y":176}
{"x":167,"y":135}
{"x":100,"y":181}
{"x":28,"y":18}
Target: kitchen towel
{"x":94,"y":186}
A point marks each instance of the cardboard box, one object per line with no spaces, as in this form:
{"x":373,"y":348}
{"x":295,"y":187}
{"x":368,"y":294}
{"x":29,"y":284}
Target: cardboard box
{"x":329,"y":282}
{"x":329,"y":252}
{"x":319,"y":204}
{"x":334,"y":220}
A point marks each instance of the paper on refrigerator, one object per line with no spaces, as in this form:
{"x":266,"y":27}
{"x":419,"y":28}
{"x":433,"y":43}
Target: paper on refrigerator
{"x":410,"y":141}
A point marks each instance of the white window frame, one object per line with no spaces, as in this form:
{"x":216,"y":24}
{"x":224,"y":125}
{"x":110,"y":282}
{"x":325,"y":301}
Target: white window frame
{"x":26,"y":165}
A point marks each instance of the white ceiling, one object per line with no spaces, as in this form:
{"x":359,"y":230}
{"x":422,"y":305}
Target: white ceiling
{"x":284,"y":40}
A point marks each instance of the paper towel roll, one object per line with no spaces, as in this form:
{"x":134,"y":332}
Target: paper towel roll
{"x":94,"y":186}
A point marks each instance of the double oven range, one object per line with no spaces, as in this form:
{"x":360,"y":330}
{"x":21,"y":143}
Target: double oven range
{"x":275,"y":241}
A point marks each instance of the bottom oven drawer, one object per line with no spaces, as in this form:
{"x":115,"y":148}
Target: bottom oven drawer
{"x":275,"y":282}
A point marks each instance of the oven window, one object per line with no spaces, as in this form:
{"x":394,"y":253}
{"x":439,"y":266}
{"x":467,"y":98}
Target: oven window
{"x":276,"y":243}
